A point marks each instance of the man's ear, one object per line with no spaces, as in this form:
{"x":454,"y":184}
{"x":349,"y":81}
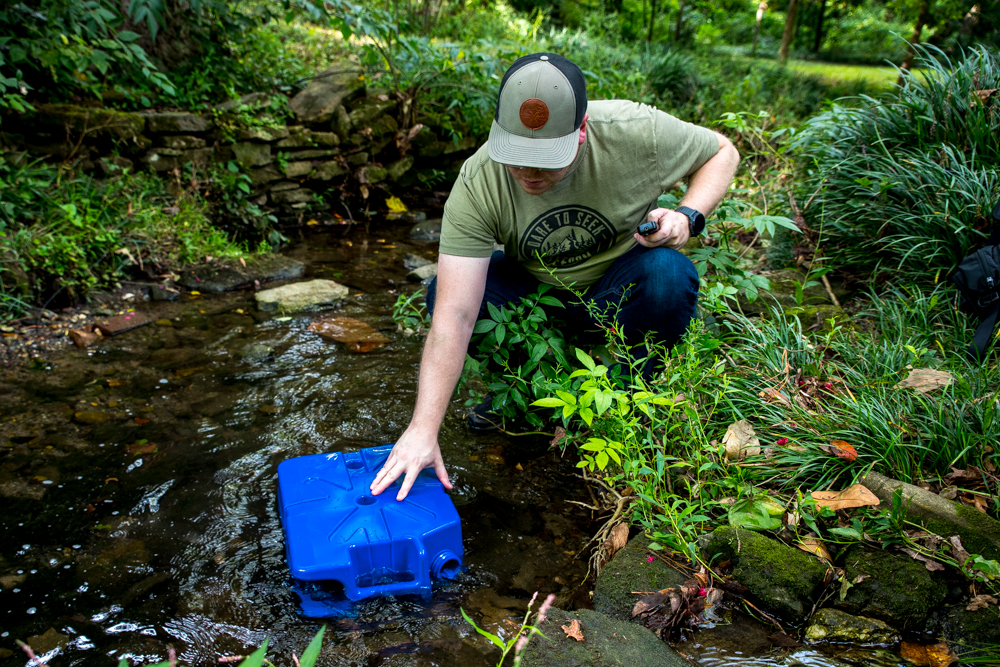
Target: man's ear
{"x":583,"y":129}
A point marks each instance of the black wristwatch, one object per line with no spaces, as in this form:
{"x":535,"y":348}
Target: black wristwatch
{"x":696,"y":219}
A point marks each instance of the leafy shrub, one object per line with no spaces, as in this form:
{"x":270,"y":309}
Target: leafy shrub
{"x":672,"y":75}
{"x":906,"y":182}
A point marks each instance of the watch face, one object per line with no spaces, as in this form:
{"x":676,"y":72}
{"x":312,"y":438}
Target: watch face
{"x":696,"y":220}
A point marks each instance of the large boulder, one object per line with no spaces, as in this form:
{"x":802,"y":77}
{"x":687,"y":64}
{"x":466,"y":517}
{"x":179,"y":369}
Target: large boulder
{"x":229,"y":274}
{"x":832,"y":625}
{"x":631,"y":570}
{"x":297,"y":297}
{"x":606,"y":642}
{"x":94,"y":121}
{"x":785,"y":581}
{"x":893,"y":587}
{"x":318,"y":101}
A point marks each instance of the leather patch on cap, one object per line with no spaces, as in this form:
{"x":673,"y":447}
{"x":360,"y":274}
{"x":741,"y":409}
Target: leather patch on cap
{"x":534,"y":114}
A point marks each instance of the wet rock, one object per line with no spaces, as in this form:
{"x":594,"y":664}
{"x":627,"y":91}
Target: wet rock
{"x":257,"y":352}
{"x":164,"y":292}
{"x":423,"y":273}
{"x":980,"y":534}
{"x":428,"y":230}
{"x":785,"y":580}
{"x":91,"y":417}
{"x":122,"y":558}
{"x":318,"y":101}
{"x":630,"y":570}
{"x":400,"y":167}
{"x":832,"y":625}
{"x":49,"y":641}
{"x":606,"y":642}
{"x":83,"y":339}
{"x":122,"y":323}
{"x":21,"y":489}
{"x":9,"y":581}
{"x":356,"y":336}
{"x":967,"y":630}
{"x":312,"y":295}
{"x":895,"y":588}
{"x":229,"y":274}
{"x":176,"y":122}
{"x":413,"y":261}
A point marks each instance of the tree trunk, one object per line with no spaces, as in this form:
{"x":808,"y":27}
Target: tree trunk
{"x":761,"y":8}
{"x":652,"y":20}
{"x":789,"y":33}
{"x":922,"y":18}
{"x":680,"y":22}
{"x":819,"y":27}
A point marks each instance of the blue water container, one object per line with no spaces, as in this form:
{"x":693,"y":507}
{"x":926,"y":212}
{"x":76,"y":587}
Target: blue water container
{"x":336,"y":532}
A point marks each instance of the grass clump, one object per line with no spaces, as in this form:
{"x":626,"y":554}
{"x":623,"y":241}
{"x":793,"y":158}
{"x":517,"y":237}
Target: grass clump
{"x":909,"y":178}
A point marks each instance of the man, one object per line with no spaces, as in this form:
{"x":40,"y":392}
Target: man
{"x":556,"y":182}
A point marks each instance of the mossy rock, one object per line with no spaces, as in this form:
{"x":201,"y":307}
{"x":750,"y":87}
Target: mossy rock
{"x":966,"y":630}
{"x":94,"y":121}
{"x":785,"y":580}
{"x":630,"y":570}
{"x":897,"y":589}
{"x":229,"y":273}
{"x":833,"y":625}
{"x":606,"y":642}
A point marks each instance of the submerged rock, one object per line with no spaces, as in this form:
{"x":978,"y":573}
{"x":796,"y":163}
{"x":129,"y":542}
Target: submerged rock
{"x":428,"y":230}
{"x":894,"y":588}
{"x":784,"y":579}
{"x":50,"y":640}
{"x":423,"y":273}
{"x":91,"y":417}
{"x":312,"y":295}
{"x":832,"y":625}
{"x":413,"y":261}
{"x":229,"y":274}
{"x":630,"y":570}
{"x":967,"y":630}
{"x":356,"y":335}
{"x":257,"y":352}
{"x":606,"y":642}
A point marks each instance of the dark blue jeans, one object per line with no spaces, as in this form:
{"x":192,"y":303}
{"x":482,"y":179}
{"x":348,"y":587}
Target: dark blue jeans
{"x":647,"y":290}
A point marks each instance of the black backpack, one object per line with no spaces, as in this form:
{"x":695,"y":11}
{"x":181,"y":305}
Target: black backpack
{"x":978,"y":279}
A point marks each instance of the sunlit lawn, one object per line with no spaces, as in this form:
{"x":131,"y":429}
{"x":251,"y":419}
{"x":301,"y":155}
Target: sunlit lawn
{"x":834,"y":73}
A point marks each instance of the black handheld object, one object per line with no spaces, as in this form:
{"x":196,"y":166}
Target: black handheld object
{"x":648,"y":227}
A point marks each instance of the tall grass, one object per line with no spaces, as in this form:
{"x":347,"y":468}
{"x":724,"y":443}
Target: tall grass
{"x":906,"y":182}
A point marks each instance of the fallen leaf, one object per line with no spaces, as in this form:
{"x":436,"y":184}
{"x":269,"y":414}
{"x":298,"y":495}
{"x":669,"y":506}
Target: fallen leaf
{"x":926,"y":380}
{"x":948,"y":492}
{"x":144,"y":448}
{"x":980,"y":602}
{"x":815,"y":547}
{"x":140,"y":421}
{"x":395,"y":205}
{"x":935,"y":655}
{"x":958,"y":551}
{"x":984,"y":95}
{"x":971,"y":475}
{"x":616,"y":540}
{"x":560,"y":434}
{"x":518,"y":466}
{"x":114,"y":383}
{"x":857,"y":495}
{"x":772,"y":395}
{"x":931,"y":565}
{"x":740,"y":441}
{"x":195,"y":293}
{"x":573,"y":630}
{"x":354,"y":334}
{"x":841,"y":449}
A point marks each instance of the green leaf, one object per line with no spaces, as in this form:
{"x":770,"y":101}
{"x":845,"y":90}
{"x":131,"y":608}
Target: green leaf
{"x":602,"y":401}
{"x":585,"y":359}
{"x":501,"y":333}
{"x":128,"y":36}
{"x":311,"y":653}
{"x":482,"y":326}
{"x":539,"y":351}
{"x":489,"y":635}
{"x":549,"y":402}
{"x":493,"y":311}
{"x":847,"y":532}
{"x":255,"y":659}
{"x":747,"y":513}
{"x":551,"y":301}
{"x":566,"y":397}
{"x":568,"y":410}
{"x":602,"y":460}
{"x":587,"y":415}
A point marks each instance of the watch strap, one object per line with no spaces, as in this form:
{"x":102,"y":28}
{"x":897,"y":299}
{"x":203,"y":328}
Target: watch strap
{"x":696,"y":219}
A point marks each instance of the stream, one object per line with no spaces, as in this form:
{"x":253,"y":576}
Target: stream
{"x":138,"y":482}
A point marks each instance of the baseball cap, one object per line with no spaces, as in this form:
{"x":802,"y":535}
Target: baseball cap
{"x":543,"y":98}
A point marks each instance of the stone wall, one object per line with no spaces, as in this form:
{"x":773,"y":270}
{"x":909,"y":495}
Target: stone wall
{"x":339,"y":137}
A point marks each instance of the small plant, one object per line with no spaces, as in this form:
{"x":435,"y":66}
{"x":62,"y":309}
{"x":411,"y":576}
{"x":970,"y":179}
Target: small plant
{"x":410,"y":313}
{"x":524,"y":634}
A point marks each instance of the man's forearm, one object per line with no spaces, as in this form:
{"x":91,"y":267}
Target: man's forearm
{"x":709,"y":184}
{"x":440,"y":367}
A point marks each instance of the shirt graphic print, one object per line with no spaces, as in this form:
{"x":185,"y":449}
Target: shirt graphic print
{"x":566,"y":236}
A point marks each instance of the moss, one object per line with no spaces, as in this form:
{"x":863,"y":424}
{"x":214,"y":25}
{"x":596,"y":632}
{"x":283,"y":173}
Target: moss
{"x":606,"y":642}
{"x":968,"y":630}
{"x":120,"y":124}
{"x":630,"y":570}
{"x":896,"y":588}
{"x":784,"y":579}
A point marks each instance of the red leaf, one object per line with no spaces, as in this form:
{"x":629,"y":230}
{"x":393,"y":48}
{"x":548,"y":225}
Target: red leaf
{"x":841,"y":449}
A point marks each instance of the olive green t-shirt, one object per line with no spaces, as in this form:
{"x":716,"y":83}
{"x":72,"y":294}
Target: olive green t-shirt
{"x":632,"y":154}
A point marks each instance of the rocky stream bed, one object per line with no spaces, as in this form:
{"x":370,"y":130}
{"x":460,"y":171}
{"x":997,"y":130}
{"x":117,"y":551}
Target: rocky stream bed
{"x":138,"y":479}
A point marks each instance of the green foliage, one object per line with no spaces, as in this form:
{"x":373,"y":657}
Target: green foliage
{"x":906,"y":182}
{"x":410,"y":312}
{"x":519,"y":639}
{"x":226,"y":187}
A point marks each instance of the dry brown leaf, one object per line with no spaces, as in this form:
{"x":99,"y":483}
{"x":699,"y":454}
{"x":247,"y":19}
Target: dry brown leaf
{"x":616,"y":540}
{"x":931,"y":565}
{"x":573,"y":630}
{"x":936,"y":655}
{"x":560,"y":434}
{"x":857,"y":495}
{"x":815,"y":547}
{"x":985,"y":94}
{"x":772,"y":395}
{"x":972,"y":475}
{"x":958,"y":551}
{"x":948,"y":492}
{"x":980,"y":602}
{"x":354,"y":334}
{"x":740,"y":441}
{"x":926,"y":380}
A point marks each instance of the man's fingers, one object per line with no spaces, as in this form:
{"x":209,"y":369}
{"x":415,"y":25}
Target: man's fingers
{"x":385,"y":477}
{"x":411,"y":477}
{"x":442,"y":474}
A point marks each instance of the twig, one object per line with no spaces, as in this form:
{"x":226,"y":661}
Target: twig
{"x":767,"y":616}
{"x":829,"y":291}
{"x":32,"y":659}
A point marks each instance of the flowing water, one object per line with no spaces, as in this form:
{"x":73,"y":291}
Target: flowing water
{"x":155,"y":524}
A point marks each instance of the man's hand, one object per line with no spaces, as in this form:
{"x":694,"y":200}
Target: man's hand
{"x":674,"y":229}
{"x":411,"y":454}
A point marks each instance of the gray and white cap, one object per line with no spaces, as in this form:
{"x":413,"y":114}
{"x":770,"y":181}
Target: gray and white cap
{"x":543,"y":98}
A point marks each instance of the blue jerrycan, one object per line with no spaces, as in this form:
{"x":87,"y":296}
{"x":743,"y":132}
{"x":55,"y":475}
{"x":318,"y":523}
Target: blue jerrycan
{"x":338,"y":534}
